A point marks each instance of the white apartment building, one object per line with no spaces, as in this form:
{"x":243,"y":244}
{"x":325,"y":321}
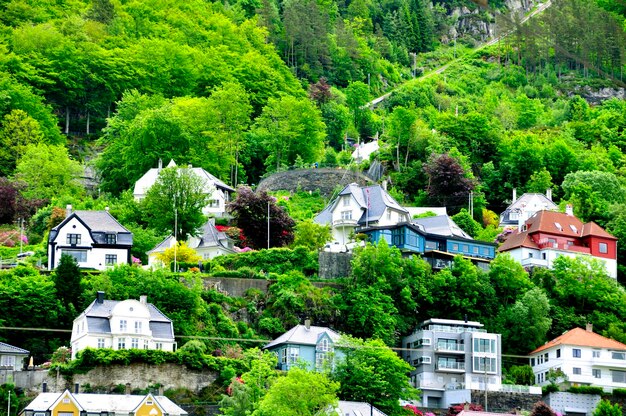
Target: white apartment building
{"x":586,"y":358}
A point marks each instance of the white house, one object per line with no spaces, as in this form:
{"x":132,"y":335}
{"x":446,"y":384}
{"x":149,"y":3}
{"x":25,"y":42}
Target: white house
{"x":219,"y":192}
{"x":77,"y":404}
{"x":209,"y":244}
{"x":524,"y":207}
{"x":586,"y":358}
{"x":12,"y":358}
{"x":121,"y":325}
{"x":360,"y":207}
{"x":93,"y":238}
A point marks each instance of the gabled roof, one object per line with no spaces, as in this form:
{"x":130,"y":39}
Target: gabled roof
{"x":96,"y":221}
{"x":104,"y":309}
{"x":357,"y":409}
{"x":373,"y":201}
{"x":582,"y":338}
{"x":537,"y":199}
{"x":10,"y":349}
{"x":210,"y":237}
{"x":149,"y":178}
{"x":555,"y":223}
{"x":302,"y":335}
{"x":97,"y":403}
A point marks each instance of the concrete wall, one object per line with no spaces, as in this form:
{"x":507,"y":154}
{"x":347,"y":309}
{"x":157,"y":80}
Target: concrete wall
{"x":324,"y":180}
{"x":504,"y":401}
{"x":334,"y":265}
{"x":564,"y":402}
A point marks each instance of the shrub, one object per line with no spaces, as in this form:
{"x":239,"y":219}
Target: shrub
{"x":550,"y":388}
{"x":586,"y":390}
{"x":619,"y":392}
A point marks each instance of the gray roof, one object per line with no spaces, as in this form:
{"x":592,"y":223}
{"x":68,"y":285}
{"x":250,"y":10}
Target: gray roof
{"x":373,"y":201}
{"x":526,"y":198}
{"x":302,"y":335}
{"x":103,"y":310}
{"x":96,"y":221}
{"x":441,"y":225}
{"x":10,"y":349}
{"x":209,"y":237}
{"x":161,"y":330}
{"x":96,"y":403}
{"x":345,"y":408}
{"x":531,"y":202}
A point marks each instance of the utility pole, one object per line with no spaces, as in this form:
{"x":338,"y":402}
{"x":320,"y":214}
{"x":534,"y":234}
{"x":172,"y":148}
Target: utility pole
{"x":9,"y":405}
{"x":268,"y":224}
{"x":485,"y":362}
{"x":175,"y":232}
{"x":21,"y":224}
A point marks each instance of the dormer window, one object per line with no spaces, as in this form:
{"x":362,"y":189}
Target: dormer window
{"x":73,"y":239}
{"x":346,"y":215}
{"x":573,"y":228}
{"x":346,"y":200}
{"x":111,"y":239}
{"x":558,"y":226}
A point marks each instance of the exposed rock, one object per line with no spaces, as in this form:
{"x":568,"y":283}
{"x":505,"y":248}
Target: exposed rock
{"x":598,"y":96}
{"x":324,"y":180}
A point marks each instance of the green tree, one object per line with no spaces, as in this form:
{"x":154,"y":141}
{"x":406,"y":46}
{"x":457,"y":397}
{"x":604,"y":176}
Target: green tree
{"x":18,"y":131}
{"x":509,"y":279}
{"x":300,"y":393}
{"x":357,"y":95}
{"x":67,"y":280}
{"x":311,"y":235}
{"x":468,"y":224}
{"x":521,"y":375}
{"x":373,"y":373}
{"x":61,"y":173}
{"x":177,"y":197}
{"x":606,"y":408}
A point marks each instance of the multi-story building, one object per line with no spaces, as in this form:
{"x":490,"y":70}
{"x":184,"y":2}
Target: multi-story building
{"x":524,"y":207}
{"x":450,"y":355}
{"x":584,"y":357}
{"x":120,"y":325}
{"x":547,"y":235}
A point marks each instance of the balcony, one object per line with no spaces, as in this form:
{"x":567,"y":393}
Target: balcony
{"x":345,"y":222}
{"x":533,"y":262}
{"x":450,"y":347}
{"x":545,"y":244}
{"x":451,"y":366}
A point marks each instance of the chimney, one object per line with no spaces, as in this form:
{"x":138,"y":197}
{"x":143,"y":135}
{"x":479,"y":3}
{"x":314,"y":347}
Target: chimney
{"x":76,"y":388}
{"x":466,"y":407}
{"x":307,"y":324}
{"x":569,"y":210}
{"x":514,"y":195}
{"x":589,"y":327}
{"x":160,"y":164}
{"x":100,"y":296}
{"x":384,"y":184}
{"x":68,"y":210}
{"x":549,"y":194}
{"x":160,"y":389}
{"x":143,"y":299}
{"x":127,"y":390}
{"x":44,"y":387}
{"x":106,"y":209}
{"x":465,"y":317}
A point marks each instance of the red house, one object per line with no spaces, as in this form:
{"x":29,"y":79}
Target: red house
{"x":548,"y":235}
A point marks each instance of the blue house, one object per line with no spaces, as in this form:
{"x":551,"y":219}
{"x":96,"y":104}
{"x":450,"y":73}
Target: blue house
{"x":312,"y":345}
{"x":437,"y":239}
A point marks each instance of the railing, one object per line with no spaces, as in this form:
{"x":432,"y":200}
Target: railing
{"x":346,"y":221}
{"x":446,"y":365}
{"x":516,"y":388}
{"x":450,"y":347}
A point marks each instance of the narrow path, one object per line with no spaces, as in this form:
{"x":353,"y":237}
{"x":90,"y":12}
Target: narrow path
{"x":540,"y":8}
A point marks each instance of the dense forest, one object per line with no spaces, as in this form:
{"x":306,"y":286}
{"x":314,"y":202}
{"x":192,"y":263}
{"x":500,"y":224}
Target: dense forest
{"x":94,"y":93}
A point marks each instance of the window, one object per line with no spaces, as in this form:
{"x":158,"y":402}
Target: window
{"x":397,"y":237}
{"x":79,"y":255}
{"x":213,"y":203}
{"x":134,"y":343}
{"x":320,"y":359}
{"x":603,"y":248}
{"x":431,"y":245}
{"x":346,"y":215}
{"x":484,"y":345}
{"x":293,"y":354}
{"x":323,"y":345}
{"x":121,"y":343}
{"x":145,"y":344}
{"x":544,"y":256}
{"x":596,"y":373}
{"x":465,"y":248}
{"x":158,"y":345}
{"x":618,"y":355}
{"x":455,"y":247}
{"x":530,"y":255}
{"x":100,"y":342}
{"x":577,"y":371}
{"x":558,"y":226}
{"x":481,"y":362}
{"x":576,"y":352}
{"x":618,"y":376}
{"x":137,"y":327}
{"x":123,"y":325}
{"x":546,"y":357}
{"x":346,"y":200}
{"x":111,"y":238}
{"x":596,"y":353}
{"x":110,"y":259}
{"x":388,"y":215}
{"x":558,"y":353}
{"x":73,"y":239}
{"x":532,"y":362}
{"x":573,"y":228}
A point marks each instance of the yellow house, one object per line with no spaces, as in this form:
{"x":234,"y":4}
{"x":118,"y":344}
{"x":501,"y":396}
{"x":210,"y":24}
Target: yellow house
{"x":87,"y":404}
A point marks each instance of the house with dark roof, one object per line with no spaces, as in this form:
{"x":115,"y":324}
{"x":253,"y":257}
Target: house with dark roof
{"x":12,"y":358}
{"x":524,"y":207}
{"x":120,"y":325}
{"x":437,"y":239}
{"x":209,"y":244}
{"x":95,"y":239}
{"x":313,"y":346}
{"x":585,"y":357}
{"x":77,"y":404}
{"x":359,"y":207}
{"x":218,"y":191}
{"x":548,"y":235}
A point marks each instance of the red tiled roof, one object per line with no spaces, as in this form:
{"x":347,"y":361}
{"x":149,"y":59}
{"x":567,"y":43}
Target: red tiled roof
{"x":582,"y":338}
{"x":516,"y":240}
{"x":593,"y":229}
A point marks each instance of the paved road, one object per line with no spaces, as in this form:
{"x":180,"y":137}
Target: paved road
{"x":442,"y":68}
